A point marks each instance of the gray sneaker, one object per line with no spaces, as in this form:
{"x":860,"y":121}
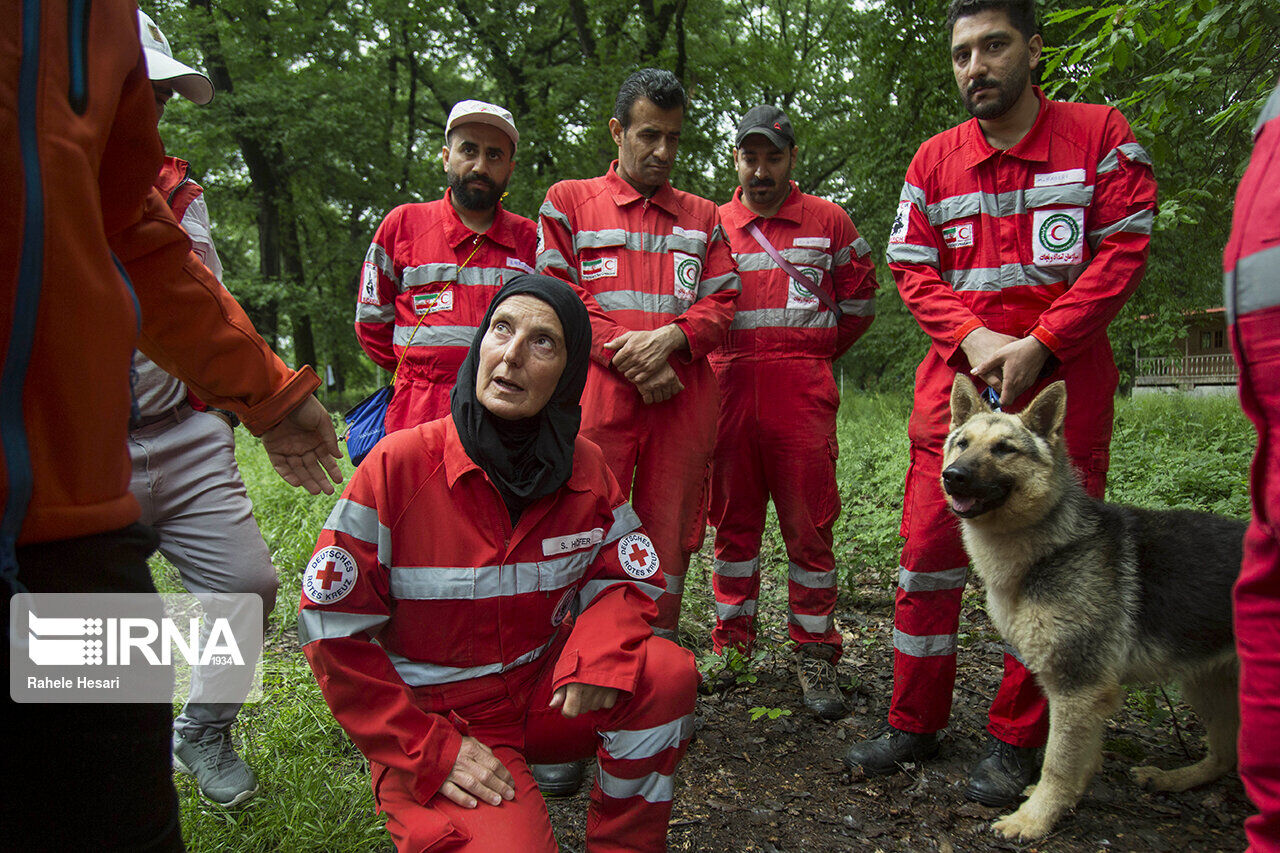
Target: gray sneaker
{"x":222,"y":775}
{"x":819,"y":683}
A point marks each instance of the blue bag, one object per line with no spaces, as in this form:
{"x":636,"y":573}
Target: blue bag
{"x":367,"y":423}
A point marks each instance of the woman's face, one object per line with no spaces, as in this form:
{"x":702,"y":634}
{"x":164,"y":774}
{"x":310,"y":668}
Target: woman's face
{"x":522,"y":355}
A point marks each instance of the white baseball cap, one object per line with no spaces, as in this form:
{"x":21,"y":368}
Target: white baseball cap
{"x":163,"y":68}
{"x":465,"y":112}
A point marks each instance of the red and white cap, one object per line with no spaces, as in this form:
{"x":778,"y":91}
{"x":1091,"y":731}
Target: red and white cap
{"x":465,"y":112}
{"x":163,"y":68}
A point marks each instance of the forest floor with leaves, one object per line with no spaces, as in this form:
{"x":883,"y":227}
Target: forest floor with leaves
{"x":776,"y":784}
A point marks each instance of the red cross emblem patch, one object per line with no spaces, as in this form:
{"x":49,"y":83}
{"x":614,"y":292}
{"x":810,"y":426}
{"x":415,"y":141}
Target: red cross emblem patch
{"x":330,"y":575}
{"x":637,"y":555}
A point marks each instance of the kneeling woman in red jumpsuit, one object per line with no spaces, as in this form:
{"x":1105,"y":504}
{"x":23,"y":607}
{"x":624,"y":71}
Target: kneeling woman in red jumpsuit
{"x":480,"y":599}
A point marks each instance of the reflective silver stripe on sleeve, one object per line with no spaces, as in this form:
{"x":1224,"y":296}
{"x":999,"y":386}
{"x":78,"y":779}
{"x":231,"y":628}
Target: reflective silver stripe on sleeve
{"x":675,"y":584}
{"x":646,"y":743}
{"x":717,"y":283}
{"x":909,"y":581}
{"x":435,"y":336}
{"x":1131,"y":150}
{"x":811,"y":624}
{"x":914,"y":194}
{"x":811,"y":580}
{"x":1012,"y":275}
{"x":655,"y":788}
{"x":377,"y":314}
{"x":1270,"y":110}
{"x":725,"y":612}
{"x":861,"y":247}
{"x":927,"y":646}
{"x":859,"y":307}
{"x":360,"y":522}
{"x":550,"y":212}
{"x":378,"y":257}
{"x":422,"y":674}
{"x":1256,"y":280}
{"x":432,"y":583}
{"x":736,"y":569}
{"x":911,"y":253}
{"x":689,"y":242}
{"x":591,"y":590}
{"x":334,"y":625}
{"x":783,"y":318}
{"x":635,"y":300}
{"x":842,"y":256}
{"x":553,"y":260}
{"x":625,"y":520}
{"x":761,"y":262}
{"x":1137,"y":223}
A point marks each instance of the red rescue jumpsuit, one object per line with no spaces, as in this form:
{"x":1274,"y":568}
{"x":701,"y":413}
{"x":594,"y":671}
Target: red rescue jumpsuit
{"x":469,"y":620}
{"x":425,"y":264}
{"x":778,"y":402}
{"x":1048,"y":238}
{"x":643,"y":263}
{"x":1252,"y":264}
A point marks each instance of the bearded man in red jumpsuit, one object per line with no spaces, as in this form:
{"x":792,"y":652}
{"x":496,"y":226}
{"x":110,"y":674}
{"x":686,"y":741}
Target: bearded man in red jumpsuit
{"x":653,"y":267}
{"x":777,"y":430}
{"x":1252,"y":283}
{"x":435,"y":609}
{"x":1019,"y":236}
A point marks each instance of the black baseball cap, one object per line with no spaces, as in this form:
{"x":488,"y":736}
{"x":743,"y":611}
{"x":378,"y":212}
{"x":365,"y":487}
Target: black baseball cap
{"x":770,"y":122}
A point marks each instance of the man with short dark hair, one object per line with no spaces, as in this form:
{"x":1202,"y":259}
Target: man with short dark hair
{"x":433,"y":267}
{"x":777,"y":428}
{"x":654,"y":269}
{"x":1019,"y":236}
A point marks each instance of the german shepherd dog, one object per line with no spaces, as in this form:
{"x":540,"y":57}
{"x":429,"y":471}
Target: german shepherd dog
{"x":1091,"y":595}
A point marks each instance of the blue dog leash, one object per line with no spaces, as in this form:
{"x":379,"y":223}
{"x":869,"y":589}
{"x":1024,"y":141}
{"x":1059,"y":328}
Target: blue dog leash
{"x":993,"y":399}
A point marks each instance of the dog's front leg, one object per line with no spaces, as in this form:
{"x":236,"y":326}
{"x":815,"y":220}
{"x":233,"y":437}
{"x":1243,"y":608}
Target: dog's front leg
{"x":1071,"y":757}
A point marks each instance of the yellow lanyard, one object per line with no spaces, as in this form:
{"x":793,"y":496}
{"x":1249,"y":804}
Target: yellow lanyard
{"x":423,"y":315}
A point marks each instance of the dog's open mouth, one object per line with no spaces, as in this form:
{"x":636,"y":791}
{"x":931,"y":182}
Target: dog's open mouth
{"x":977,"y":503}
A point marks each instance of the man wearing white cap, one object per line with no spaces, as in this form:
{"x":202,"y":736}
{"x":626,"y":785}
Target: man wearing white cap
{"x":184,"y":470}
{"x":433,"y":267}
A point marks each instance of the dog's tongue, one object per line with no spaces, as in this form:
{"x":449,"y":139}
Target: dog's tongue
{"x":962,"y":504}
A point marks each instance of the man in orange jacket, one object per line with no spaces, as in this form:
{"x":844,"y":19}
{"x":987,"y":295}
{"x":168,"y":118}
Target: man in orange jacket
{"x":89,"y":252}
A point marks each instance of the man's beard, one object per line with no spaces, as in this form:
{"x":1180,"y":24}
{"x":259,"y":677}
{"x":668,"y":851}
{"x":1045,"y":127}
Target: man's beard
{"x":475,"y":193}
{"x":1007,"y":93}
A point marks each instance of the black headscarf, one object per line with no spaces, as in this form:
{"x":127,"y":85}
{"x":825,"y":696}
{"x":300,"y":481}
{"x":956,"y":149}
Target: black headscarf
{"x":529,"y":458}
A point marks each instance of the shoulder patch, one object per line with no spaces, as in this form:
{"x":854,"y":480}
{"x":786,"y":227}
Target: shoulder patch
{"x":898,"y":234}
{"x":637,"y":555}
{"x":330,"y":576}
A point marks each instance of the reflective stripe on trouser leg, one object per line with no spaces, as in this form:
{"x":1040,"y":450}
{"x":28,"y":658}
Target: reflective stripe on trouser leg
{"x":927,"y":605}
{"x":739,"y":500}
{"x":641,"y":742}
{"x":797,"y":412}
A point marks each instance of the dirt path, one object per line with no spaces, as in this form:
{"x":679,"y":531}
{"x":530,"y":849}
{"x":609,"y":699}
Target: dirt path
{"x":778,"y":785}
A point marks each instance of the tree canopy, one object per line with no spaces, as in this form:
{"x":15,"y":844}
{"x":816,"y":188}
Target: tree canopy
{"x":329,"y":114}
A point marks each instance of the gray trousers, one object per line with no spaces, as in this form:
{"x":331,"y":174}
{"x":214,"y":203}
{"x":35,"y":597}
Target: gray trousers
{"x":186,"y":479}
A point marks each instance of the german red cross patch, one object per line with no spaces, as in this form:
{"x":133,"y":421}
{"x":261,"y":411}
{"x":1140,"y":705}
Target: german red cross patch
{"x":330,"y":576}
{"x":637,"y":555}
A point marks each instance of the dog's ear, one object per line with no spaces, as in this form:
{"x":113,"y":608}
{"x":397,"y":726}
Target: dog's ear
{"x":965,"y":402}
{"x":1045,"y":414}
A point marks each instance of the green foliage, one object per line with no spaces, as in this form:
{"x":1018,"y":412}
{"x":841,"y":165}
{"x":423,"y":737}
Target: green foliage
{"x":761,"y":712}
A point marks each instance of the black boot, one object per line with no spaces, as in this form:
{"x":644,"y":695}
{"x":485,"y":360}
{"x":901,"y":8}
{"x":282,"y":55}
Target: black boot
{"x":887,"y":752}
{"x":558,"y":780}
{"x":1003,"y":772}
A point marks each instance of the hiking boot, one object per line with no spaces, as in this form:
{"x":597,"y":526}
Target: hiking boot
{"x":1003,"y":773}
{"x":888,"y":751}
{"x":222,"y":776}
{"x":818,"y":682}
{"x":558,"y":780}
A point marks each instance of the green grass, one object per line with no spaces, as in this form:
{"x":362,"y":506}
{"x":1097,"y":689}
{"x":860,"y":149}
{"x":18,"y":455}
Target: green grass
{"x":1167,"y":452}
